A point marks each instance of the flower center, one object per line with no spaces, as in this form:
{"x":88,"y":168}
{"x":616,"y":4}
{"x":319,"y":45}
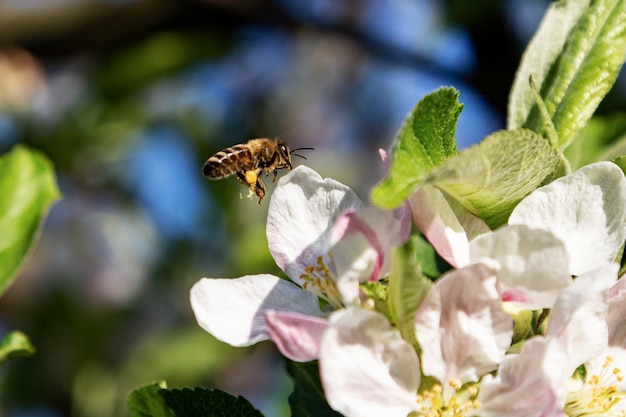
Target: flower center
{"x":598,"y":394}
{"x":462,"y":401}
{"x":319,"y":279}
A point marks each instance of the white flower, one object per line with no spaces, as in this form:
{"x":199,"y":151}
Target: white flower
{"x":326,"y":242}
{"x":603,"y":390}
{"x":538,"y":381}
{"x":534,"y":264}
{"x":461,"y":326}
{"x":582,"y":218}
{"x":367,"y":369}
{"x":586,"y":210}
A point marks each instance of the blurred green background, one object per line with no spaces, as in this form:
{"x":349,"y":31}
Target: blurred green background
{"x":129,"y":98}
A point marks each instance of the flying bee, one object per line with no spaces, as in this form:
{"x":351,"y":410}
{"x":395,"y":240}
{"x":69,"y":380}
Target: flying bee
{"x":249,"y":160}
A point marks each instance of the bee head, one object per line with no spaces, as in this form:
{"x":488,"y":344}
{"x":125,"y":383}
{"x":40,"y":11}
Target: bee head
{"x":285,"y":154}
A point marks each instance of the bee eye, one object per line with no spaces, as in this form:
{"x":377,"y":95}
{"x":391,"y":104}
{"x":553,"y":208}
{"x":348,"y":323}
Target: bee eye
{"x":284,"y":148}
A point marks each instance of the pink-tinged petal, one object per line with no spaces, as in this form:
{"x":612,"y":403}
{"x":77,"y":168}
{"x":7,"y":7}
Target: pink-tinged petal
{"x":355,"y":262}
{"x":383,"y":156}
{"x":366,"y":368}
{"x":528,"y":384}
{"x":578,"y":319}
{"x":586,"y":210}
{"x":302,"y":209}
{"x":518,"y":296}
{"x":617,"y":314}
{"x":448,"y":229}
{"x":461,"y":326}
{"x":382,"y":230}
{"x":534,"y":264}
{"x":233,"y":310}
{"x":297,"y":336}
{"x":358,"y":236}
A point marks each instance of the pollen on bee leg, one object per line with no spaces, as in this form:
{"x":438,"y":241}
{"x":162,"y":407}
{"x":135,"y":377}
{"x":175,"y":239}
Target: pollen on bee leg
{"x":251,"y":176}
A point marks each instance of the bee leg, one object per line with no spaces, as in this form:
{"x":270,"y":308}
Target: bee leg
{"x":251,"y":177}
{"x":275,"y":175}
{"x":259,"y":189}
{"x":241,"y":176}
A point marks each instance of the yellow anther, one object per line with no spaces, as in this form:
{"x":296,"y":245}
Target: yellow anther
{"x":319,"y":278}
{"x":461,"y":401}
{"x":455,"y":383}
{"x":598,"y":395}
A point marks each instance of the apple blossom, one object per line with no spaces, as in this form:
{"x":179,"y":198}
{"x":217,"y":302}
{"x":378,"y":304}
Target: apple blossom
{"x":576,"y":236}
{"x":538,"y":381}
{"x":367,"y":369}
{"x":326,"y":242}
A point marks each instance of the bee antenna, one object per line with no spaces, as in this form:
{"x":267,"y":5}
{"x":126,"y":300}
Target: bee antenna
{"x":300,"y":149}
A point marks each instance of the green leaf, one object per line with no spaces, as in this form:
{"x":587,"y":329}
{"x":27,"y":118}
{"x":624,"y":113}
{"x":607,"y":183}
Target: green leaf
{"x":433,"y":265}
{"x":202,"y":402}
{"x":540,"y":56}
{"x":27,"y":188}
{"x":15,"y":344}
{"x":603,"y":138}
{"x":620,"y":161}
{"x":490,"y":178}
{"x":377,"y":291}
{"x":147,"y":402}
{"x":425,"y":141}
{"x":307,"y":398}
{"x":407,"y":288}
{"x":573,"y":81}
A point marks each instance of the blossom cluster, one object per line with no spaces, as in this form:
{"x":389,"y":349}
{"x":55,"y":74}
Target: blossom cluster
{"x":527,"y":322}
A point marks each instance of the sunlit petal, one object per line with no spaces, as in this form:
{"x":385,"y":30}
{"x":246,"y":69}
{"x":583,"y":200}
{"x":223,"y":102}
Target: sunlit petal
{"x":461,"y":326}
{"x":534,"y":264}
{"x":578,"y":319}
{"x":529,"y":384}
{"x":302,"y":210}
{"x":586,"y":210}
{"x":355,"y":262}
{"x":366,"y":368}
{"x":447,"y":229}
{"x":232,"y":310}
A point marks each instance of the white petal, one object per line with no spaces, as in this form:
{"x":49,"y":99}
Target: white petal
{"x":297,"y":336}
{"x":616,"y":362}
{"x":586,"y":210}
{"x":232,"y":310}
{"x":461,"y":326}
{"x":386,"y":226}
{"x":534,"y":264}
{"x":616,"y":314}
{"x":449,"y":231}
{"x":355,"y":262}
{"x":302,"y":210}
{"x":578,"y":319}
{"x":366,"y":368}
{"x":528,"y":384}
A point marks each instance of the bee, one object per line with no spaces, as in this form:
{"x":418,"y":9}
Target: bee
{"x":249,"y":160}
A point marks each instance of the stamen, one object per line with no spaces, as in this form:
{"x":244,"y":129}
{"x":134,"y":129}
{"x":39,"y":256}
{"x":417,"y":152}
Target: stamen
{"x":598,"y":394}
{"x":320,"y":280}
{"x":462,"y":400}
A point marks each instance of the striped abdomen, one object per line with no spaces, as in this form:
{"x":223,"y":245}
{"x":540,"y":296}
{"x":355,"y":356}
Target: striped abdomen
{"x":229,"y":161}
